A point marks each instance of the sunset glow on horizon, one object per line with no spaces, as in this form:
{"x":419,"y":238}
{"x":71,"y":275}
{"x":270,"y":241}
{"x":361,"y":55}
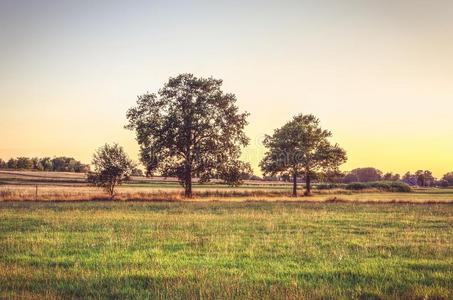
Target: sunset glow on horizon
{"x":378,"y":74}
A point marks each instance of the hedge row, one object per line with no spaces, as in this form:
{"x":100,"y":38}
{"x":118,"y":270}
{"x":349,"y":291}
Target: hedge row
{"x":387,"y":186}
{"x":329,"y":186}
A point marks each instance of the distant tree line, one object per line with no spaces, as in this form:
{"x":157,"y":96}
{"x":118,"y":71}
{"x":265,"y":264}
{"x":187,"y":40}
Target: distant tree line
{"x":56,"y":164}
{"x":425,"y":178}
{"x":421,"y":178}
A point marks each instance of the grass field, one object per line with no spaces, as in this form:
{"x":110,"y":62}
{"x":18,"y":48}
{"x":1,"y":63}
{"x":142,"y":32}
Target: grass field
{"x":225,"y":250}
{"x":252,"y":242}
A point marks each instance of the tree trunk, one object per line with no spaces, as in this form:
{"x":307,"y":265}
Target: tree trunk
{"x":188,"y":183}
{"x":188,"y":188}
{"x":295,"y":184}
{"x":307,"y":184}
{"x":111,"y":190}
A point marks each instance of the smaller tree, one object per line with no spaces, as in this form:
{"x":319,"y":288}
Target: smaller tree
{"x":112,"y":167}
{"x":3,"y":164}
{"x":301,"y":147}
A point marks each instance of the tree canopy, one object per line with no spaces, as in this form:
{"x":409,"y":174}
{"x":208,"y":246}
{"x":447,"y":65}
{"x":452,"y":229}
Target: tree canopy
{"x":189,"y":128}
{"x":301,"y":147}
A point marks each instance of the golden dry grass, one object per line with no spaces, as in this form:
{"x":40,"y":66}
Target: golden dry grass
{"x":130,"y":193}
{"x":57,"y":186}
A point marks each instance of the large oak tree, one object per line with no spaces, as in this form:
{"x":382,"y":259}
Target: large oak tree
{"x":190,"y":128}
{"x":301,"y":147}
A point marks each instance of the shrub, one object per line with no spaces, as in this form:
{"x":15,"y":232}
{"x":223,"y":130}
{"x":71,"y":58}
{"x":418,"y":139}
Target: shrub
{"x":329,"y":186}
{"x":387,"y":186}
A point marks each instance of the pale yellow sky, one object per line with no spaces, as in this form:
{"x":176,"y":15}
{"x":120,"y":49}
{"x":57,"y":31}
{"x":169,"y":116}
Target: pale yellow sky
{"x":379,"y":74}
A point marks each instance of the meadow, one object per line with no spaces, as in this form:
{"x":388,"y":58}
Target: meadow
{"x":252,"y":242}
{"x":227,"y":249}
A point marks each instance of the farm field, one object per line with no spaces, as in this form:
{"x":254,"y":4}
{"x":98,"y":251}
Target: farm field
{"x":74,"y":179}
{"x":56,"y":186}
{"x":225,"y":250}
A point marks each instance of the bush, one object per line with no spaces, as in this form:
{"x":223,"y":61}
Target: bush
{"x":386,"y":186}
{"x":329,"y":186}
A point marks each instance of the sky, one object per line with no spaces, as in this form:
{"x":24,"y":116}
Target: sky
{"x":378,"y":74}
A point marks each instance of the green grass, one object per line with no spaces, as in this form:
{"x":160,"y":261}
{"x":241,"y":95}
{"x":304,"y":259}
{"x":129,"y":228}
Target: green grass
{"x":225,"y":250}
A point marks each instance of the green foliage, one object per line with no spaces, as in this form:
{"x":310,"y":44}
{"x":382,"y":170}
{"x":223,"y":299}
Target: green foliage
{"x":112,"y":167}
{"x":301,"y":146}
{"x":189,"y":128}
{"x":225,"y":250}
{"x":387,"y":186}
